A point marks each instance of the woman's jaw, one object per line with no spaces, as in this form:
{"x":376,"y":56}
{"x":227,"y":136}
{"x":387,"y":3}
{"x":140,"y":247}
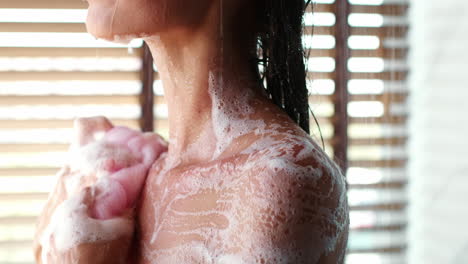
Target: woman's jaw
{"x":125,"y":19}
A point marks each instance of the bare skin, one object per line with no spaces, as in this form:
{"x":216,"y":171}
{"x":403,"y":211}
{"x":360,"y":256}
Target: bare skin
{"x":231,"y":215}
{"x":185,"y":62}
{"x":237,"y":204}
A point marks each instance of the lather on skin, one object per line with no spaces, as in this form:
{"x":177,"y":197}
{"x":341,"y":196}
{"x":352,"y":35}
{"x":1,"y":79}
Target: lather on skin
{"x":89,"y":215}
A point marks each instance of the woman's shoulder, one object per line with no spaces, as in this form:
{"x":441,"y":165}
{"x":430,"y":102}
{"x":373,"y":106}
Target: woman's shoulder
{"x":291,"y":151}
{"x":300,"y":193}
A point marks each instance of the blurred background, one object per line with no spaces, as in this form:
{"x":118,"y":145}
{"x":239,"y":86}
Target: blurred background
{"x":387,"y":81}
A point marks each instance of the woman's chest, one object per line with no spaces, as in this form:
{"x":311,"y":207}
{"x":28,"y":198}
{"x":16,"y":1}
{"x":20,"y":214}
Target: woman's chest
{"x":190,"y":210}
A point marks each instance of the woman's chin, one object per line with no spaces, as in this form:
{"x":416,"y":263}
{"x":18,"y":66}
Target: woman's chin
{"x":99,"y":25}
{"x":102,"y":23}
{"x":99,"y":34}
{"x":101,"y":29}
{"x":108,"y":23}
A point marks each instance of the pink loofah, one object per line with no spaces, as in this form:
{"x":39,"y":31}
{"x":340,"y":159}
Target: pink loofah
{"x":122,"y":158}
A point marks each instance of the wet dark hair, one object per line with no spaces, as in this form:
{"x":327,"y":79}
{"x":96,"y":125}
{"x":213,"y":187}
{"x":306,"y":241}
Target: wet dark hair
{"x":281,"y":57}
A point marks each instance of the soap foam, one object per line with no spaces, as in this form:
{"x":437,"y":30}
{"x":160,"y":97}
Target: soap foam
{"x":103,"y":177}
{"x":70,"y":225}
{"x":94,"y":157}
{"x":266,"y":188}
{"x":256,"y":194}
{"x":230,"y":114}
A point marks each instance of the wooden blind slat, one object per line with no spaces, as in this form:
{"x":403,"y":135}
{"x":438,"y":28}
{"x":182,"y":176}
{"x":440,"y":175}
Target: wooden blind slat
{"x":382,"y":185}
{"x":395,"y":249}
{"x":379,"y":228}
{"x":23,"y":196}
{"x":383,"y":141}
{"x":50,"y":4}
{"x":314,"y":8}
{"x":385,"y":120}
{"x":69,"y":100}
{"x":382,"y":32}
{"x":15,"y":244}
{"x":22,"y":148}
{"x":13,"y":52}
{"x":319,"y":30}
{"x":394,"y":97}
{"x":69,"y":75}
{"x":43,"y":27}
{"x":18,"y":220}
{"x":388,"y":119}
{"x":386,"y":98}
{"x":320,"y":52}
{"x":385,"y":9}
{"x":16,"y":262}
{"x":392,"y":163}
{"x":79,"y":100}
{"x":21,"y":172}
{"x":398,"y":206}
{"x":54,"y":123}
{"x":385,"y":53}
{"x":386,"y":76}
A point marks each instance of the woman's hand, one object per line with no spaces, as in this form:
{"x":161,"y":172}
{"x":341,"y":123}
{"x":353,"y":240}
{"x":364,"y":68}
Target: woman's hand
{"x":89,"y":216}
{"x":68,"y":234}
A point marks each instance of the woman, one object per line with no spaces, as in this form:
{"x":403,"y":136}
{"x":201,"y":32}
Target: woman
{"x":241,"y":182}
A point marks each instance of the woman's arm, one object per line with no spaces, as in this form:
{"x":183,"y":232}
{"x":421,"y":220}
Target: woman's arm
{"x":68,"y":234}
{"x":304,"y":214}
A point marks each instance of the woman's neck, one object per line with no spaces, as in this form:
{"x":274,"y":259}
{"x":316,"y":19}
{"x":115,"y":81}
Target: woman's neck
{"x":197,"y":69}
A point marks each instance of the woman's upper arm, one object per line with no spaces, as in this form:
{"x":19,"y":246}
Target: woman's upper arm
{"x":307,"y":217}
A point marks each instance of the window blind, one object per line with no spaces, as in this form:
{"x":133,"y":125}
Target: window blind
{"x":51,"y":71}
{"x":375,"y":109}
